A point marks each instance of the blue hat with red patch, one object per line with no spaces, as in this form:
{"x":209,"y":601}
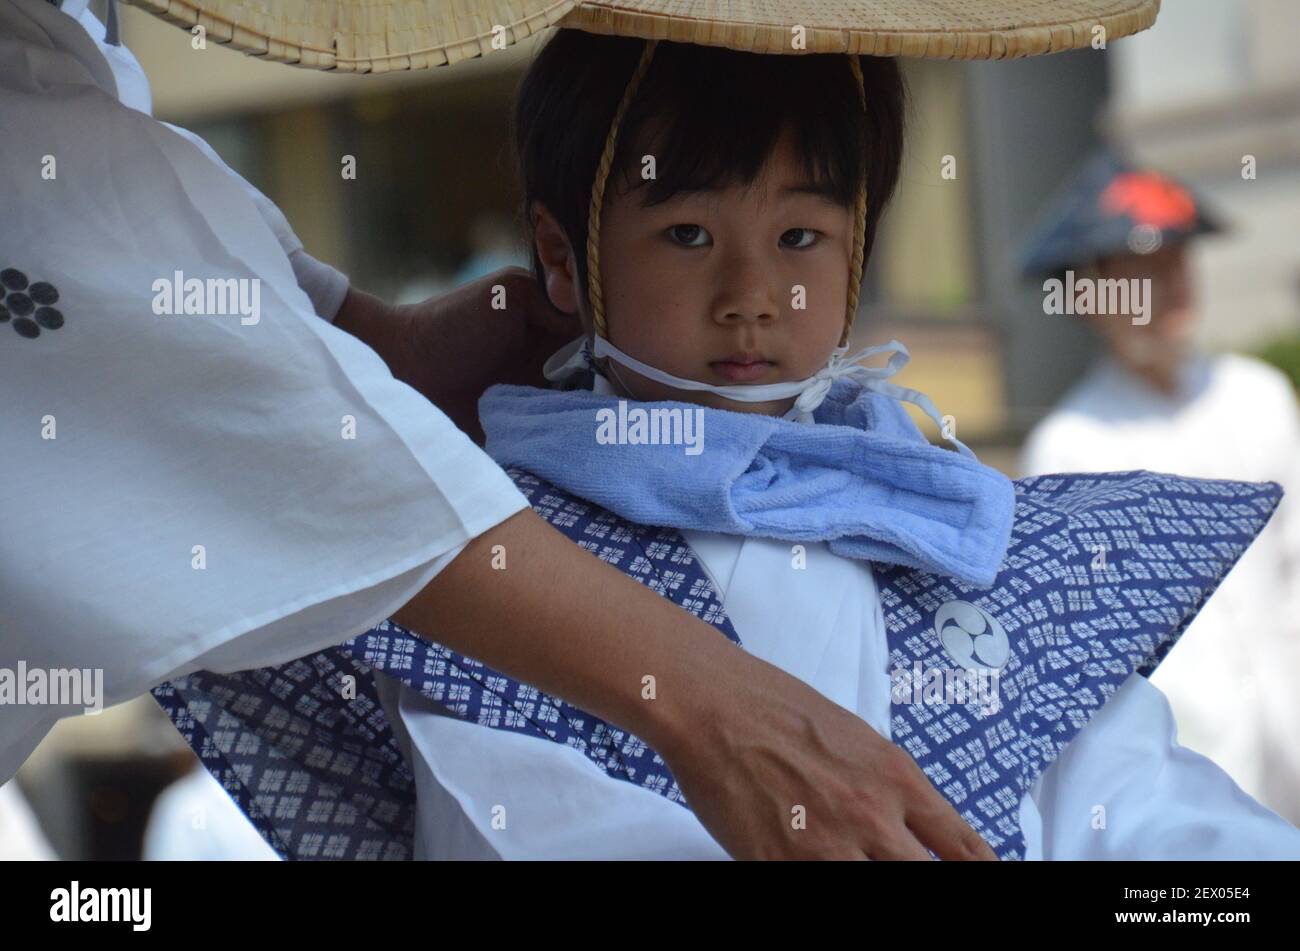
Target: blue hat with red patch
{"x":1108,"y":208}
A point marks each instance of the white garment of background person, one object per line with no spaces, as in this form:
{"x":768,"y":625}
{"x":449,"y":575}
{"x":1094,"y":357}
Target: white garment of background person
{"x":487,"y":794}
{"x":1232,"y":679}
{"x":199,"y":506}
{"x":194,"y":819}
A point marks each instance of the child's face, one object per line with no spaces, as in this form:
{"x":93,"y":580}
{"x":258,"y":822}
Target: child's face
{"x":707,"y":286}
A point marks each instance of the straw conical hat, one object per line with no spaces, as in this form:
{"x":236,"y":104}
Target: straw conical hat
{"x":384,"y":35}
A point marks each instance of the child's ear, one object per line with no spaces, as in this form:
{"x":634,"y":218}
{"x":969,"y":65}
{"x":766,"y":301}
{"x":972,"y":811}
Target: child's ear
{"x":558,"y":263}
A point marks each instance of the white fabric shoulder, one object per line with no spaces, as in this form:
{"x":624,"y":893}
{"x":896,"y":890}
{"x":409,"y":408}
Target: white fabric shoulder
{"x":1059,"y":443}
{"x":126,"y":79}
{"x":131,"y":81}
{"x":1258,"y":387}
{"x":324,"y":285}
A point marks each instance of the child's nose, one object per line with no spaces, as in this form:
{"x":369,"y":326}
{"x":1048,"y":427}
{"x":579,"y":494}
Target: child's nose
{"x":746,"y":292}
{"x":749,"y":316}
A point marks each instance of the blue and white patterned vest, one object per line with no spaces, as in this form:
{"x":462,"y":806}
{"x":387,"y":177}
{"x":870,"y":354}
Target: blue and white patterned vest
{"x":1102,"y":575}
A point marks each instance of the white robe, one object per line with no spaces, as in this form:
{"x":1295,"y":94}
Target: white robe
{"x":200,"y":505}
{"x":1232,"y":679}
{"x":1123,"y":789}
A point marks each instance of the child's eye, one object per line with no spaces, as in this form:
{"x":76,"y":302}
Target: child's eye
{"x":808,"y":233}
{"x":687,"y":235}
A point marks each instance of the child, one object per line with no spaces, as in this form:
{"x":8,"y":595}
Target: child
{"x":757,"y":175}
{"x":709,"y":215}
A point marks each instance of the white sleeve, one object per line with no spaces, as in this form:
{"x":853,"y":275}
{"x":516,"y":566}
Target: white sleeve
{"x":325,"y":286}
{"x":1125,"y":789}
{"x":230,"y":487}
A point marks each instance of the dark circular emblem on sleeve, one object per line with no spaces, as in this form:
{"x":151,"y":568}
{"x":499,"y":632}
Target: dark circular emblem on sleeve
{"x":43,"y":292}
{"x":26,"y":327}
{"x":19,"y":304}
{"x":27,"y":307}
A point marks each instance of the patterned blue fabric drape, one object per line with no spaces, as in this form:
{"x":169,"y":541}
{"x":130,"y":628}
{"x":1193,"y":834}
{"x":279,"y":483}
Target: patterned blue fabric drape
{"x":1103,"y":574}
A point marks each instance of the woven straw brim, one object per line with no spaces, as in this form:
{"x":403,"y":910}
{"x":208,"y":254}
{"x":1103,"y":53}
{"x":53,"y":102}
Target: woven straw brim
{"x":384,"y":35}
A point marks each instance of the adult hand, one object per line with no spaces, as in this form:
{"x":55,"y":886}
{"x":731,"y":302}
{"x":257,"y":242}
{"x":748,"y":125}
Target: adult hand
{"x":779,"y":771}
{"x":451,"y":348}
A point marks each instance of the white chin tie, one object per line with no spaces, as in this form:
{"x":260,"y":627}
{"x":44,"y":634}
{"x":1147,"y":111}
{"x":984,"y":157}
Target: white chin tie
{"x":809,"y":393}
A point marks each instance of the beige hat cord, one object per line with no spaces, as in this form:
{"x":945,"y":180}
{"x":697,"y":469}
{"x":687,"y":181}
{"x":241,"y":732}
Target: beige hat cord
{"x":595,"y":294}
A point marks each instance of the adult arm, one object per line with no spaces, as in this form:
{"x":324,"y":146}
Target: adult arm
{"x":746,"y":741}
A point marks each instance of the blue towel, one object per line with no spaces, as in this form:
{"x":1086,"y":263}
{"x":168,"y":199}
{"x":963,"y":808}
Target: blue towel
{"x":862,"y":477}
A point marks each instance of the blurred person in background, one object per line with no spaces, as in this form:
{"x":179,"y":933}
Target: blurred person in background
{"x":1153,"y":400}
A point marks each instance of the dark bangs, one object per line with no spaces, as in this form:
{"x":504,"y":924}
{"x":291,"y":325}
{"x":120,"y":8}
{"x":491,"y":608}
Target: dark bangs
{"x":711,"y":118}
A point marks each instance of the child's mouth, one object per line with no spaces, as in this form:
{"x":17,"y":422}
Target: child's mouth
{"x":742,"y":368}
